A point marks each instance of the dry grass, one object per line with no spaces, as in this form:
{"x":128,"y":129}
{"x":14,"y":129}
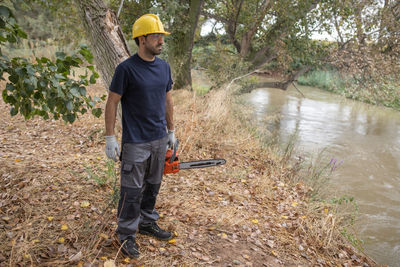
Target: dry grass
{"x":248,"y":212}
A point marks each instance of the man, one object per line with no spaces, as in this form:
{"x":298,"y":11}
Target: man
{"x":142,"y":83}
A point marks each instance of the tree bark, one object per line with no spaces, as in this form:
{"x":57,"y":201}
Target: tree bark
{"x":180,"y":50}
{"x":107,"y":41}
{"x":246,"y":39}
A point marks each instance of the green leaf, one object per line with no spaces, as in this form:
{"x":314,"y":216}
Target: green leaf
{"x":96,"y":112}
{"x":75,"y":91}
{"x":5,"y":12}
{"x":69,"y":117}
{"x":82,"y":90}
{"x":92,"y":79}
{"x":60,"y":55}
{"x":10,"y":87}
{"x":69,"y":105}
{"x":13,"y":111}
{"x":21,"y":34}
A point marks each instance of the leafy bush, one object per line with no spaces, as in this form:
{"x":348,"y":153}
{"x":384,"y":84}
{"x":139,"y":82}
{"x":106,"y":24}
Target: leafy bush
{"x":44,"y":87}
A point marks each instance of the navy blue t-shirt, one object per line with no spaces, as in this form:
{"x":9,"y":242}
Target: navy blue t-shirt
{"x":143,"y":86}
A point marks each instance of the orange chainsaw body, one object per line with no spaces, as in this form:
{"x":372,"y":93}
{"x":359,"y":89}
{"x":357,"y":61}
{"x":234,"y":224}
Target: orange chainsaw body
{"x":171,"y":166}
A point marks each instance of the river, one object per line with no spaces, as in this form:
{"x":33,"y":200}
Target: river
{"x":366,"y":138}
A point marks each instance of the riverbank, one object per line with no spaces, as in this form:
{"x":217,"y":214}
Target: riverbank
{"x":385,"y":94}
{"x":56,"y":197}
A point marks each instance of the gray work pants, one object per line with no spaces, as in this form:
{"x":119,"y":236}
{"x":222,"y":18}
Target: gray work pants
{"x":141,"y":174}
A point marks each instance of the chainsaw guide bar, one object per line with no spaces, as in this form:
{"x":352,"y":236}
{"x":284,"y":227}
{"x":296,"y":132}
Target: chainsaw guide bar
{"x":173,"y":164}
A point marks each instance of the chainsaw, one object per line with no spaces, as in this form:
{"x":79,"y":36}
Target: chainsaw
{"x":173,"y":164}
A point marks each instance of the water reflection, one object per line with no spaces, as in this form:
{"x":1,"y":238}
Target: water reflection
{"x":366,"y":138}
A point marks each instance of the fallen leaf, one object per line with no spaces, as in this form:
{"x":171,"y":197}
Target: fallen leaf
{"x":61,"y":240}
{"x":64,"y":227}
{"x":103,"y":236}
{"x":85,"y":204}
{"x":77,"y":257}
{"x":255,"y":221}
{"x":127,"y":260}
{"x":294,"y":204}
{"x":50,"y":218}
{"x":109,"y":263}
{"x":326,"y":211}
{"x":172,"y":241}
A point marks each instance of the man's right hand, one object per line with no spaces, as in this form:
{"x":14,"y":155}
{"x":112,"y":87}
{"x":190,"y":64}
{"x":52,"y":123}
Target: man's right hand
{"x":112,"y":148}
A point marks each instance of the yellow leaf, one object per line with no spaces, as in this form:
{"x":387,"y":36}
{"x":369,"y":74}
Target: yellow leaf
{"x":223,"y":235}
{"x":27,"y":256}
{"x":17,"y":160}
{"x":172,"y":241}
{"x":103,"y":236}
{"x":326,"y":211}
{"x":85,"y":204}
{"x":64,"y":227}
{"x":294,"y":204}
{"x":50,"y":218}
{"x":161,"y":215}
{"x":61,"y":240}
{"x":162,"y":249}
{"x":99,"y":158}
{"x":35,"y":241}
{"x":244,"y":181}
{"x":274,"y":253}
{"x":127,"y":260}
{"x":254,"y":221}
{"x":284,"y":216}
{"x":303,"y":217}
{"x":175,"y":233}
{"x":104,"y":258}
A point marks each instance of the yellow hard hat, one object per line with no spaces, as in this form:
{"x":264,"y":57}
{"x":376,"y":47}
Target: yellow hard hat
{"x":147,"y":24}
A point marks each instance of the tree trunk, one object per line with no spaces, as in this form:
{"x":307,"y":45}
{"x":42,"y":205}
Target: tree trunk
{"x":181,"y":45}
{"x":107,"y":41}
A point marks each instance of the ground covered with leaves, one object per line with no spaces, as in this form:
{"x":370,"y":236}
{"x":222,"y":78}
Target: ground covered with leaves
{"x":58,"y":197}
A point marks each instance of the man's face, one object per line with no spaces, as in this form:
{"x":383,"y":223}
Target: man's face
{"x":154,"y":42}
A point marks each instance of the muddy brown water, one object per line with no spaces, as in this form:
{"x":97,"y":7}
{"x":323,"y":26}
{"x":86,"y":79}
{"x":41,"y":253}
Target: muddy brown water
{"x":365,"y":138}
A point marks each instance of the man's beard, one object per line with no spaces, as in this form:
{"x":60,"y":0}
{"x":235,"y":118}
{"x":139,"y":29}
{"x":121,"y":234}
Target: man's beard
{"x":155,"y":51}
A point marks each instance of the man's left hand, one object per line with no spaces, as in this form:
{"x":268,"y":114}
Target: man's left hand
{"x":171,"y":138}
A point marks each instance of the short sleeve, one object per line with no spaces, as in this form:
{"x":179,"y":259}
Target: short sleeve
{"x":170,"y":81}
{"x":119,"y":81}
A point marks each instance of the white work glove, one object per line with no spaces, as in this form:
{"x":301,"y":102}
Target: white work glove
{"x":112,"y":148}
{"x":171,"y":138}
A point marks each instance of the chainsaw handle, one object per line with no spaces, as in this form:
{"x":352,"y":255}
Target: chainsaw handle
{"x":174,"y":151}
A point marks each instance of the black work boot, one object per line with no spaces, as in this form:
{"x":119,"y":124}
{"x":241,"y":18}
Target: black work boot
{"x":153,"y":229}
{"x":130,"y":248}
